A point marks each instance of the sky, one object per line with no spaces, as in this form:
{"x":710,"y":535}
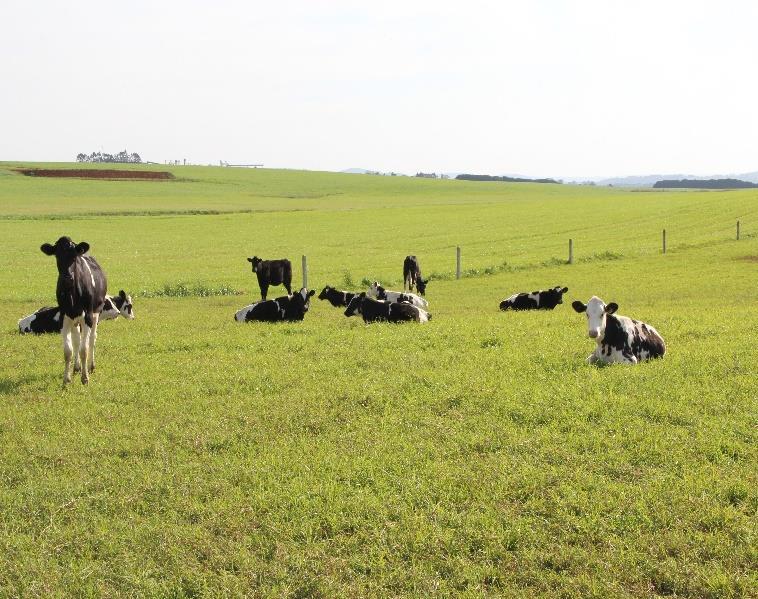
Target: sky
{"x":560,"y":88}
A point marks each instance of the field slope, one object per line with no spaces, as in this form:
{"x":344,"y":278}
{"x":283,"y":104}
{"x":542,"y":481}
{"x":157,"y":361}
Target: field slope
{"x":476,"y":455}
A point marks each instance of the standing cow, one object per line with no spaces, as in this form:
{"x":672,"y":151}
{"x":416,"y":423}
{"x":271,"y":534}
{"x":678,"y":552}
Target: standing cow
{"x":80,"y":292}
{"x":619,"y":338}
{"x":272,"y":272}
{"x":412,"y":275}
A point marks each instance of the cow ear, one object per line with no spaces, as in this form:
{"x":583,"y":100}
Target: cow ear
{"x":311,"y":293}
{"x":82,"y":248}
{"x":249,"y":259}
{"x":47,"y":249}
{"x":611,"y":308}
{"x":579,"y":306}
{"x":122,"y":294}
{"x":564,"y":290}
{"x":363,"y":294}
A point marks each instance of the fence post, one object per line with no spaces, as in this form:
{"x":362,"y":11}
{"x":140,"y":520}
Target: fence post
{"x":738,"y":230}
{"x":571,"y":251}
{"x":305,"y":271}
{"x":664,"y":241}
{"x":458,"y":262}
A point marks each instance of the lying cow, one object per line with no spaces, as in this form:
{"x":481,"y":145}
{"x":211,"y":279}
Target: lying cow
{"x":536,"y":300}
{"x":380,"y":293}
{"x":288,"y":307}
{"x":272,"y":272}
{"x":412,"y":275}
{"x":376,"y":310}
{"x":48,"y":320}
{"x":338,"y":299}
{"x":619,"y":338}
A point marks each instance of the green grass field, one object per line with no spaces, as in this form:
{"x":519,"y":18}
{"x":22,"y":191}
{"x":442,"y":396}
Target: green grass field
{"x":476,"y":455}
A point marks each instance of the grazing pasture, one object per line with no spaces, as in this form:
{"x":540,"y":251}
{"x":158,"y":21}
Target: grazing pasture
{"x":476,"y":454}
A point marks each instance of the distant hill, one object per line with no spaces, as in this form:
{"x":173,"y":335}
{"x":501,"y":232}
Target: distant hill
{"x":650,"y":180}
{"x":704,"y":184}
{"x":504,"y":179}
{"x":356,"y":171}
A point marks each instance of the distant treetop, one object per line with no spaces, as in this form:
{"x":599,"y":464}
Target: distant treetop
{"x":122,"y":156}
{"x":505,"y":179}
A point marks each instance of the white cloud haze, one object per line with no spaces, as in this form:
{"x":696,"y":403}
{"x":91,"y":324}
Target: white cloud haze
{"x":542,"y":88}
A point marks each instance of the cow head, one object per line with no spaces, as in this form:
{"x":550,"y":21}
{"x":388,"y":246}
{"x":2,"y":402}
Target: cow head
{"x":127,"y":308}
{"x":421,"y":285}
{"x":65,"y":251}
{"x":325,"y":292}
{"x":595,"y":310}
{"x":255,"y":261}
{"x":556,"y":294}
{"x":354,"y":307}
{"x":302,"y":300}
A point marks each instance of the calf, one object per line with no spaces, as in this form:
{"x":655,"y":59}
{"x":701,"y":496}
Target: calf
{"x":272,"y":272}
{"x":536,"y":300}
{"x":288,"y":307}
{"x":48,"y":320}
{"x":380,"y":293}
{"x":81,"y":293}
{"x":376,"y":310}
{"x":335,"y":297}
{"x":619,"y":338}
{"x":412,"y":275}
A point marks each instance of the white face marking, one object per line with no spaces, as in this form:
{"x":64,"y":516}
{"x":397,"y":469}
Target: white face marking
{"x":25,"y":324}
{"x":128,"y":314}
{"x":596,"y":318}
{"x":373,"y":290}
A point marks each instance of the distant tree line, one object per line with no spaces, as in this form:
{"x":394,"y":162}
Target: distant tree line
{"x":505,"y":179}
{"x":122,"y":156}
{"x":705,"y":184}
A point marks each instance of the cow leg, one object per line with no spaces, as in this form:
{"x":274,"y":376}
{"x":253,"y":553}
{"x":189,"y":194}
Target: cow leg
{"x":264,"y":291}
{"x":76,"y":337}
{"x":68,"y":349}
{"x":84,"y":351}
{"x":92,"y":341}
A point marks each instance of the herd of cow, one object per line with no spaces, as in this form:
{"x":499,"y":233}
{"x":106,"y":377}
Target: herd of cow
{"x":83,"y":302}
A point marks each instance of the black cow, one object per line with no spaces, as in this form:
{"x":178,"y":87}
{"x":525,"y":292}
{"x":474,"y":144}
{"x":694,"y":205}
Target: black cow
{"x":48,"y":320}
{"x":619,"y":338}
{"x":272,"y":272}
{"x":536,"y":300}
{"x":288,"y":307}
{"x":81,"y":293}
{"x":336,"y":298}
{"x":375,"y":310}
{"x":412,"y":275}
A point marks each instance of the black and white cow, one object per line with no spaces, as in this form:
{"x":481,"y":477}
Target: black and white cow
{"x":536,"y":300}
{"x":288,"y":307}
{"x":412,"y":275}
{"x":48,"y":320}
{"x":80,"y":293}
{"x":272,"y":272}
{"x":380,"y":293}
{"x":376,"y":310}
{"x":619,"y":338}
{"x":338,"y":299}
